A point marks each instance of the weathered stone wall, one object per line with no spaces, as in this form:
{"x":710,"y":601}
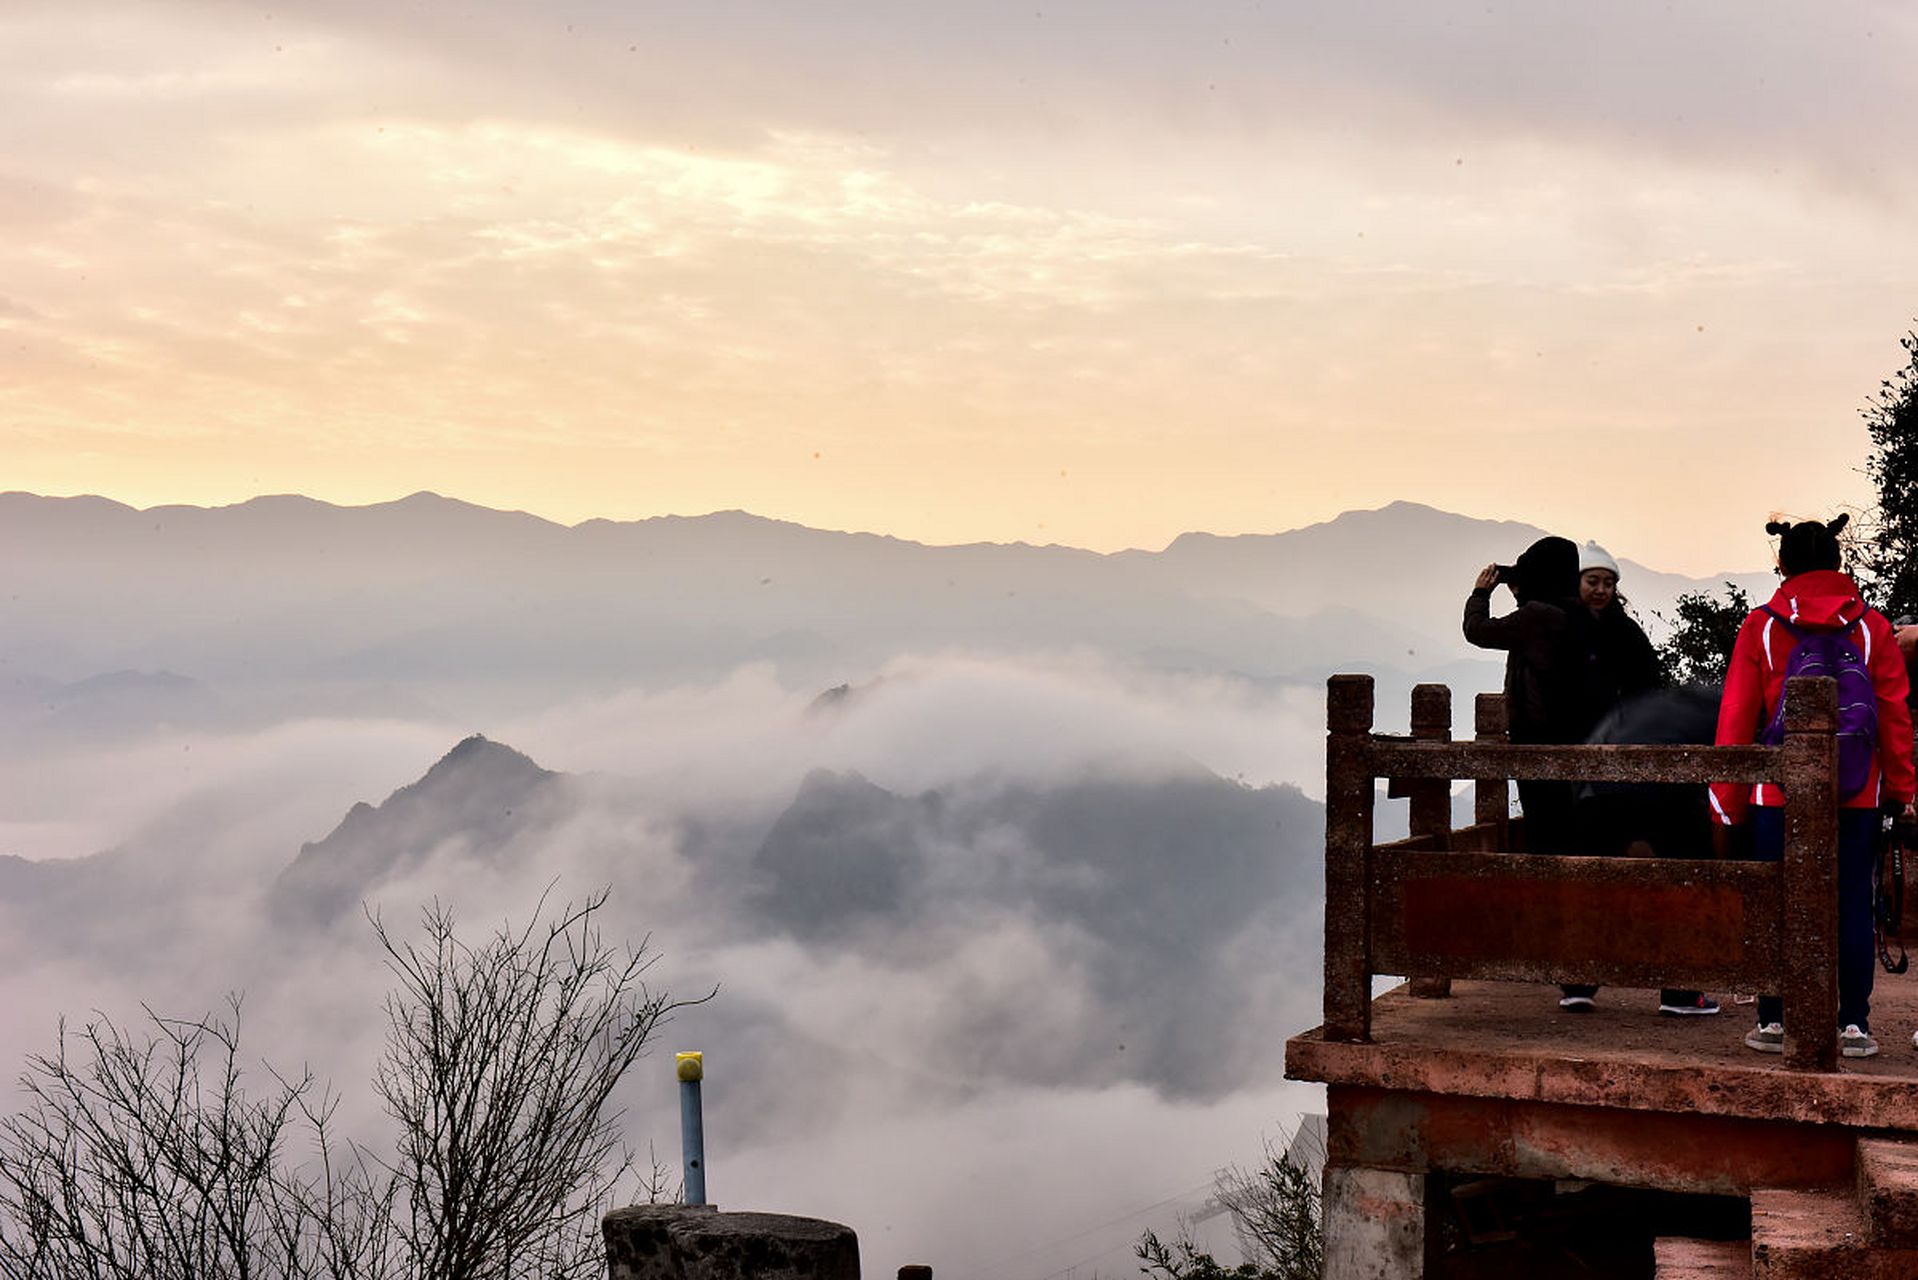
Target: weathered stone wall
{"x":697,"y":1242}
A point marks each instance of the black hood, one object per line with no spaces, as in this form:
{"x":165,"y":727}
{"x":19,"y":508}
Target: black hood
{"x":1548,"y":570}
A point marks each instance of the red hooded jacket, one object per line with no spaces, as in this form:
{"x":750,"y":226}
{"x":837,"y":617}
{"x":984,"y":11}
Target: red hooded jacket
{"x":1755,"y":681}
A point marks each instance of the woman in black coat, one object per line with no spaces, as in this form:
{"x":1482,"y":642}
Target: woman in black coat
{"x":1552,"y":678}
{"x":1543,"y":674}
{"x":1618,"y":661}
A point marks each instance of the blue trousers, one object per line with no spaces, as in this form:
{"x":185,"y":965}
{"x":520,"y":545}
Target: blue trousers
{"x":1857,"y":860}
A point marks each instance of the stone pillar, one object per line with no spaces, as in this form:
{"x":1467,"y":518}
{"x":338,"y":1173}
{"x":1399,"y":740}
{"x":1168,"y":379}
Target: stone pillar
{"x":1374,"y":1224}
{"x":1810,"y":928}
{"x":1348,"y":858}
{"x":1431,"y":802}
{"x":1491,"y":797}
{"x":697,"y":1242}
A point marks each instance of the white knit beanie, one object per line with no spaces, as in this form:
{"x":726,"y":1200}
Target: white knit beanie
{"x":1593,"y":556}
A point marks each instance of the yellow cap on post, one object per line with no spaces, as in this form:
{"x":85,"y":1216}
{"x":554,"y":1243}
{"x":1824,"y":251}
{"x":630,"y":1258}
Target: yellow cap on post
{"x":690,"y":1066}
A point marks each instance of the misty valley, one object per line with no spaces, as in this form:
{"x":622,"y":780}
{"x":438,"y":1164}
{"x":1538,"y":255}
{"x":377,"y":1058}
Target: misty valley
{"x":1004,"y":860}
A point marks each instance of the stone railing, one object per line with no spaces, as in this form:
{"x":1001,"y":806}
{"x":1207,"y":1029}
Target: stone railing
{"x":1462,"y":903}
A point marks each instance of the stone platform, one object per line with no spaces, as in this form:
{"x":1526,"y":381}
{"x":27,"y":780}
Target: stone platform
{"x":1511,"y":1040}
{"x":1497,"y":1081}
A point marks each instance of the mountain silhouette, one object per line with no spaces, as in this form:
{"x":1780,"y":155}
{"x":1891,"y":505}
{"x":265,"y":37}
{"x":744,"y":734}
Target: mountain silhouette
{"x":470,"y":613}
{"x":1161,"y":883}
{"x":473,"y":803}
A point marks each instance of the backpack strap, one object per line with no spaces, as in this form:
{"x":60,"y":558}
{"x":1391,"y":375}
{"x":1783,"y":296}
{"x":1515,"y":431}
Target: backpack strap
{"x":1890,"y":890}
{"x":1801,"y":632}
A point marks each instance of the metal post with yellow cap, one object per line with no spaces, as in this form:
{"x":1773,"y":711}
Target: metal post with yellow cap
{"x":691,"y":1068}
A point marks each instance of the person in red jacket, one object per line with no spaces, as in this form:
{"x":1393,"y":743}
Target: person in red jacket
{"x":1816,"y":598}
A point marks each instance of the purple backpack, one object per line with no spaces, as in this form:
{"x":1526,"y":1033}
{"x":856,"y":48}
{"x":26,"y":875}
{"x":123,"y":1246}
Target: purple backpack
{"x":1832,"y":653}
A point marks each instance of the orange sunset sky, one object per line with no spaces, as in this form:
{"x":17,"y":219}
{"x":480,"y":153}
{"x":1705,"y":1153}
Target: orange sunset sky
{"x":1093,"y":273}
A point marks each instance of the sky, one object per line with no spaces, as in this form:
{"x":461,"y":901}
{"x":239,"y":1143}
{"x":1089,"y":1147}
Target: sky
{"x":1089,"y":273}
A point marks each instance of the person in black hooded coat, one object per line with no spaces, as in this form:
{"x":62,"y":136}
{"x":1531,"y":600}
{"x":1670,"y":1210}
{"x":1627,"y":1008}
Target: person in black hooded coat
{"x":1544,"y":640}
{"x":1547,"y":642}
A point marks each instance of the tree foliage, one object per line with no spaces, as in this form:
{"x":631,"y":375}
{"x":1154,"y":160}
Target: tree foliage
{"x":141,"y":1154}
{"x":1277,"y":1218}
{"x":1890,"y":555}
{"x":1703,"y":630}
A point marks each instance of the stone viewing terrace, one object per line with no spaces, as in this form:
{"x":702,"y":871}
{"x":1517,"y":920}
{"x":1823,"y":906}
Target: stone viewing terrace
{"x":1478,"y":1130}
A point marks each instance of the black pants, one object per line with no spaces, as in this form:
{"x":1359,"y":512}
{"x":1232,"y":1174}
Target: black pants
{"x":1548,"y":817}
{"x":1857,"y":860}
{"x":1555,"y":823}
{"x":1549,"y":829}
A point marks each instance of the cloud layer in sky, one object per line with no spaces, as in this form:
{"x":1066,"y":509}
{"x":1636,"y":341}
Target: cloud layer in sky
{"x":1086,"y":273}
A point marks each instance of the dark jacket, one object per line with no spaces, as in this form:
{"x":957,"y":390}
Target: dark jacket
{"x":1539,"y":704}
{"x":1617,"y":661}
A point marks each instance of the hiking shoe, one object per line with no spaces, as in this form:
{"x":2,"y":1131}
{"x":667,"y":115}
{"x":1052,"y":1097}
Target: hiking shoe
{"x":1766,"y":1037}
{"x":1853,"y":1043}
{"x":1585,"y":1004}
{"x":1697,"y":1006}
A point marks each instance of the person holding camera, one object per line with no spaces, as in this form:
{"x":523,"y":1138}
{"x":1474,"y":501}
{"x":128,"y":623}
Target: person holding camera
{"x":1540,"y":672}
{"x":1545,"y":655}
{"x":1816,"y":624}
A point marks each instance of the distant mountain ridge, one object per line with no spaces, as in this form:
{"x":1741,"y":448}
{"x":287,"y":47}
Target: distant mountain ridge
{"x":430,"y":518}
{"x":462,"y":609}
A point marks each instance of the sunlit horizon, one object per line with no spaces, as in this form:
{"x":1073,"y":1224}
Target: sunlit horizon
{"x":1092,"y":274}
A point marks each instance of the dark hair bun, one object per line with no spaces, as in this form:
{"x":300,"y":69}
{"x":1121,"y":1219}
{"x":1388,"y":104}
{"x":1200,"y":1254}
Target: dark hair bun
{"x":1838,"y":525}
{"x":1808,"y":545}
{"x":1776,"y":527}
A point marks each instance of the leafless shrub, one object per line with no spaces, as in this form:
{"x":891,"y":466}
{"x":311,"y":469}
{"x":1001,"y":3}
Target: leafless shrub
{"x":500,"y":1062}
{"x":141,"y":1154}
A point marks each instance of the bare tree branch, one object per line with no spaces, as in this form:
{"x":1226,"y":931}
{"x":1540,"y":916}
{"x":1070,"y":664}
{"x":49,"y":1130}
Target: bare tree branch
{"x":140,"y":1154}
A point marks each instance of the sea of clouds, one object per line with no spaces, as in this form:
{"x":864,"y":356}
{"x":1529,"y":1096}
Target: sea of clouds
{"x":1071,"y":1010}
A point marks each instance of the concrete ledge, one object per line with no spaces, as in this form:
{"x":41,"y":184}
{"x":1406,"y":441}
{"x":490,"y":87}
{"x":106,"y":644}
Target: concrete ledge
{"x":683,"y":1242}
{"x":1510,"y":1040}
{"x":1807,"y":1235}
{"x":1712,"y":1155}
{"x":1677,"y":1258}
{"x":1888,"y":1191}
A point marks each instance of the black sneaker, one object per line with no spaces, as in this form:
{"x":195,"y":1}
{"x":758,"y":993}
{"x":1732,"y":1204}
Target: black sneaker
{"x":1697,"y":1006}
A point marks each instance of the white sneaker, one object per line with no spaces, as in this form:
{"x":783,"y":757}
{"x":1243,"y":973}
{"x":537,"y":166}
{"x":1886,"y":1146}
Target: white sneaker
{"x":1853,"y":1043}
{"x":1766,"y":1037}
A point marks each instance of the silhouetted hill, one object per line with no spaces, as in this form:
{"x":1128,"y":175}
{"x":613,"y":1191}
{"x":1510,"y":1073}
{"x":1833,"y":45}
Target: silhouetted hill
{"x":843,"y":853}
{"x":1166,"y":884}
{"x":311,"y":606}
{"x":1417,"y":559}
{"x":113,"y":704}
{"x":472,"y":804}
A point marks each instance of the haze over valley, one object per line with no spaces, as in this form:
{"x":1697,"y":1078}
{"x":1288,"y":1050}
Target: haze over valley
{"x":1004,"y":859}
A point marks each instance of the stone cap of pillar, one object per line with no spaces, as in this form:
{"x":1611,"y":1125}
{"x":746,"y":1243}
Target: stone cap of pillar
{"x":697,"y":1242}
